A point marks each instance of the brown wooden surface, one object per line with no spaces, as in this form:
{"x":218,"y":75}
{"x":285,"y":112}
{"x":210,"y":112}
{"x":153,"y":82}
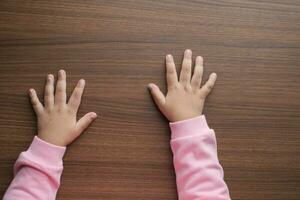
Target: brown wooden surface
{"x":119,"y":47}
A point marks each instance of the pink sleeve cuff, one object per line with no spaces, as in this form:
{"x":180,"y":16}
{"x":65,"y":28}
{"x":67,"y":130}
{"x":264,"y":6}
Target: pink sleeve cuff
{"x":193,"y":126}
{"x":45,"y":152}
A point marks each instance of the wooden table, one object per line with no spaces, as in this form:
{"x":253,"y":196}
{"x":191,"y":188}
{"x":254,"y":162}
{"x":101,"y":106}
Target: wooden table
{"x":119,"y":47}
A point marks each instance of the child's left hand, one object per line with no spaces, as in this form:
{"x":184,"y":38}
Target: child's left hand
{"x":57,"y":122}
{"x":185,"y":97}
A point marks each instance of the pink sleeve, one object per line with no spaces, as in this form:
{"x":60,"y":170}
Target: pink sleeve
{"x":37,"y":172}
{"x":199,"y":175}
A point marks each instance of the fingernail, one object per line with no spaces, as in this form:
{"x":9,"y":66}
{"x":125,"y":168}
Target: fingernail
{"x":81,"y":82}
{"x":199,"y":58}
{"x":50,"y":77}
{"x":188,"y":51}
{"x":214,"y":75}
{"x":169,"y":56}
{"x":93,"y":115}
{"x":150,"y":86}
{"x":61,"y":72}
{"x":31,"y":91}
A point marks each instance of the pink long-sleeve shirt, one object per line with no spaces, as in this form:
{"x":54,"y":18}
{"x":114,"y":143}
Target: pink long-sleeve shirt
{"x":199,"y":175}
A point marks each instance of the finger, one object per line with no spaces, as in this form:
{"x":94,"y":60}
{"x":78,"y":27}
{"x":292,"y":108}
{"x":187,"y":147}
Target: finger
{"x":208,"y":86}
{"x":198,"y":72}
{"x":36,"y":104}
{"x":60,"y":93}
{"x":49,"y":91}
{"x":85,"y":121}
{"x":157,"y":95}
{"x":185,"y":74}
{"x":171,"y":74}
{"x":75,"y":98}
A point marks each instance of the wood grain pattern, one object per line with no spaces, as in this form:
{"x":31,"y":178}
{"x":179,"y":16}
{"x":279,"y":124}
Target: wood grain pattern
{"x":119,"y":47}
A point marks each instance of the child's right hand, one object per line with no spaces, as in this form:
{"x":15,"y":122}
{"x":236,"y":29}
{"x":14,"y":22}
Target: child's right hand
{"x":185,"y":98}
{"x":57,"y":122}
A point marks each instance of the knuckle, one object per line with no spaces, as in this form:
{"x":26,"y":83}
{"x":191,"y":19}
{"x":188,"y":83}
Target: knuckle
{"x":187,"y":88}
{"x":34,"y":103}
{"x":59,"y":90}
{"x":47,"y":93}
{"x":49,"y":86}
{"x":185,"y":69}
{"x":171,"y":70}
{"x":48,"y":110}
{"x":70,"y":110}
{"x":196,"y":76}
{"x":206,"y":90}
{"x":184,"y":80}
{"x":59,"y":109}
{"x":176,"y":86}
{"x":77,"y":95}
{"x":34,"y":100}
{"x":210,"y":86}
{"x":49,"y":83}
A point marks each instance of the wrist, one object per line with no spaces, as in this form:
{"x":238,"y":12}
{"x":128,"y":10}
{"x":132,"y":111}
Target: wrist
{"x":56,"y":141}
{"x":184,"y":117}
{"x":189,"y":127}
{"x":45,"y":152}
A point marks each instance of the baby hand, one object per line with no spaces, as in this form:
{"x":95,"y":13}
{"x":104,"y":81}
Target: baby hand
{"x":185,"y":98}
{"x":57,"y":122}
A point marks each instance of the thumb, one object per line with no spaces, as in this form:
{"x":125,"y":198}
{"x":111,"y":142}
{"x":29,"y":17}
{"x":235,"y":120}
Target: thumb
{"x":157,"y":95}
{"x":85,"y":121}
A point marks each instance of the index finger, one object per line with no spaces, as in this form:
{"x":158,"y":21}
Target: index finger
{"x":75,"y":98}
